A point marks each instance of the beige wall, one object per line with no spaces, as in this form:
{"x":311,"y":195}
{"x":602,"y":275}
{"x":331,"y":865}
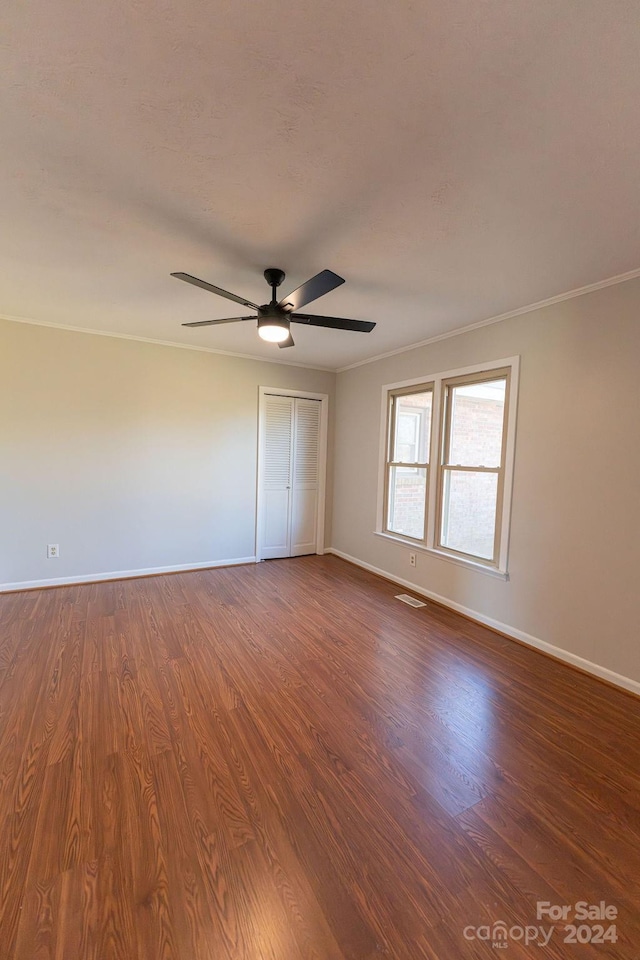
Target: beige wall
{"x":129,"y":455}
{"x":575,"y":531}
{"x":134,"y":456}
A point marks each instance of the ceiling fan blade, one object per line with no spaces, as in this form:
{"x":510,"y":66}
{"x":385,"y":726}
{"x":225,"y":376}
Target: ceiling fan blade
{"x":287,"y":343}
{"x":315,"y":287}
{"x":210,"y":323}
{"x":213,"y":289}
{"x":336,"y":323}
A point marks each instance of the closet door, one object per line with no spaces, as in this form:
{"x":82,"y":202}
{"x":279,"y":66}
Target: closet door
{"x":290,"y":464}
{"x":276,"y":450}
{"x":305,"y":477}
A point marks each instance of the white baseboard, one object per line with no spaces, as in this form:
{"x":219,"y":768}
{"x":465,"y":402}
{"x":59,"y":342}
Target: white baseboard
{"x":121,"y":574}
{"x":633,"y":686}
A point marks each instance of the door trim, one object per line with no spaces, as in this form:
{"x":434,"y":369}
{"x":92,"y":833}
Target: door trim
{"x":263,"y":392}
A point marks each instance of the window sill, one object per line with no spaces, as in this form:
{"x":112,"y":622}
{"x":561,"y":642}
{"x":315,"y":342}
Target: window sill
{"x":442,"y":555}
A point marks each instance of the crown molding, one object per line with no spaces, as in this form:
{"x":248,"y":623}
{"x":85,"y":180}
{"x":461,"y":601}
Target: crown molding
{"x":569,"y":295}
{"x":540,"y":304}
{"x":162,"y":343}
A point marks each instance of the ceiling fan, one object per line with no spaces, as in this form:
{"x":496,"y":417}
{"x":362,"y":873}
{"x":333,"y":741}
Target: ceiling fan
{"x":274,"y":319}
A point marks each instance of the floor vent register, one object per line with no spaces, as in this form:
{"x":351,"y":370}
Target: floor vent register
{"x":411,"y":601}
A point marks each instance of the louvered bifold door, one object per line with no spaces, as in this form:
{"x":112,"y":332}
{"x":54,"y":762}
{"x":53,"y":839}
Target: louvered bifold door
{"x":277,"y":463}
{"x":305,"y":481}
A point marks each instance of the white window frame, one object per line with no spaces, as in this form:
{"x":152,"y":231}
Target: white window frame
{"x":391,"y":462}
{"x":430,"y":544}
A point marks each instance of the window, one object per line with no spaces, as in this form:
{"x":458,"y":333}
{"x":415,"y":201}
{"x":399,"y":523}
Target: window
{"x":448,"y":462}
{"x":408,"y":463}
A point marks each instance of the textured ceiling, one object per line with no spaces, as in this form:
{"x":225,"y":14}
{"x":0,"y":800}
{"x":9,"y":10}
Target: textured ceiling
{"x":452,"y":159}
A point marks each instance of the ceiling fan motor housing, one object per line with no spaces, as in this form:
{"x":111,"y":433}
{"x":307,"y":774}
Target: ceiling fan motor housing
{"x":272,"y":312}
{"x":274,"y":276}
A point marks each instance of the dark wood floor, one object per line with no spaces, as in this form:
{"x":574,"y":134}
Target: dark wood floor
{"x":281,"y":761}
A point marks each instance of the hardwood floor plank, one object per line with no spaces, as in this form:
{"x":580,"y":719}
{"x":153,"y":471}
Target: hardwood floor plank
{"x":195,"y":929}
{"x":38,"y":930}
{"x":17,"y":837}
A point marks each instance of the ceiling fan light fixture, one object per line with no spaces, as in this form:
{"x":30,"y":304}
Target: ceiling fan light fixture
{"x":272,"y":329}
{"x":275,"y":318}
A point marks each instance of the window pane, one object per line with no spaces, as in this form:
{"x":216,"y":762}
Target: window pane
{"x":469,"y":512}
{"x":477,"y":417}
{"x":407,"y":491}
{"x":412,"y":427}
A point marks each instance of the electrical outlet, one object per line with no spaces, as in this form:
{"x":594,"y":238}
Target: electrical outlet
{"x":53,"y":551}
{"x":412,"y":559}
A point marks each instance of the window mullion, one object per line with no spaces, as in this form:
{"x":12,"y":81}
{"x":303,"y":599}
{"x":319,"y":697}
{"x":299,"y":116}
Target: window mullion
{"x":433,"y":472}
{"x":444,"y":420}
